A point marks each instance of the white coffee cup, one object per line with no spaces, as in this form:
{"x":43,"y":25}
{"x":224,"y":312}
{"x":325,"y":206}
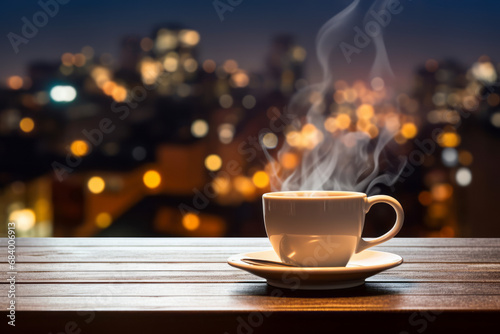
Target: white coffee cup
{"x":322,"y":228}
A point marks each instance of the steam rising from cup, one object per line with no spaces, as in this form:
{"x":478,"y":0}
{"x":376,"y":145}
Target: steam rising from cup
{"x":340,"y":130}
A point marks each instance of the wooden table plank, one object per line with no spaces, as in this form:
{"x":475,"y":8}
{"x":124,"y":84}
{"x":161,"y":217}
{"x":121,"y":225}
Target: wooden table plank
{"x":200,"y":266}
{"x":177,"y":276}
{"x":164,"y":280}
{"x":220,"y":254}
{"x":259,"y":303}
{"x":235,"y":242}
{"x":244,"y":289}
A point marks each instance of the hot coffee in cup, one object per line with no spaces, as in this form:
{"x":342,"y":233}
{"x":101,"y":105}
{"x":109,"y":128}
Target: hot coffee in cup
{"x":322,"y":228}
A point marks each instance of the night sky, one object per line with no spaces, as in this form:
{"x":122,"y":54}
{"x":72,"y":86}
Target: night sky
{"x":462,"y":30}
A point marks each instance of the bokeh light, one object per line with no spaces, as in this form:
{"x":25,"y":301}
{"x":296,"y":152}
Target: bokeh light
{"x":103,"y":220}
{"x":27,"y":124}
{"x":199,"y":128}
{"x":24,"y":219}
{"x":260,"y":179}
{"x":151,"y":179}
{"x":63,"y":93}
{"x":96,"y":184}
{"x":190,"y":221}
{"x":463,"y":176}
{"x":79,"y":148}
{"x":213,"y":162}
{"x":15,"y":82}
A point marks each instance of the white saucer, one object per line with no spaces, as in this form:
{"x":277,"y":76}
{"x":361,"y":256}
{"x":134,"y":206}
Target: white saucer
{"x":361,"y":266}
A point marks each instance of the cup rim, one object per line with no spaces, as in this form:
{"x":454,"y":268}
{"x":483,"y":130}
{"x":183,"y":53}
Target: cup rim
{"x":331,"y":194}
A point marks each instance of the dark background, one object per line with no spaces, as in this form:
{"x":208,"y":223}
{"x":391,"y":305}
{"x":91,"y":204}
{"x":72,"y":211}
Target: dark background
{"x":444,"y":55}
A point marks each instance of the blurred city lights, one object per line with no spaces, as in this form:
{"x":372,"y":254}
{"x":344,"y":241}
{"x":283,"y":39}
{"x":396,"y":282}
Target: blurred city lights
{"x":166,"y":40}
{"x":409,"y":130}
{"x":289,"y":160}
{"x":25,"y":219}
{"x":222,"y":185}
{"x":226,"y":101}
{"x":377,"y":83}
{"x":484,"y":71}
{"x":244,"y":185}
{"x":495,"y":119}
{"x":119,"y":94}
{"x":213,"y":162}
{"x":147,"y":44}
{"x":190,"y":65}
{"x":449,"y":157}
{"x":103,"y":220}
{"x":441,"y":192}
{"x":79,"y":148}
{"x":190,"y":221}
{"x":239,"y":79}
{"x":248,"y":101}
{"x":270,"y":140}
{"x":151,"y":179}
{"x":15,"y":82}
{"x":171,"y":62}
{"x":209,"y":66}
{"x":67,"y":59}
{"x":343,"y":121}
{"x":27,"y":124}
{"x":230,"y":66}
{"x":299,"y":53}
{"x":226,"y":133}
{"x":189,"y":37}
{"x":199,"y":128}
{"x":465,"y":157}
{"x":79,"y":60}
{"x":449,"y":139}
{"x":96,"y":184}
{"x":260,"y":179}
{"x":425,"y":198}
{"x":463,"y":176}
{"x":63,"y":93}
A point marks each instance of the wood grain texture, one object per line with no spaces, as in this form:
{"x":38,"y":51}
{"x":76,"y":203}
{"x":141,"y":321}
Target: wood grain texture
{"x":175,"y":280}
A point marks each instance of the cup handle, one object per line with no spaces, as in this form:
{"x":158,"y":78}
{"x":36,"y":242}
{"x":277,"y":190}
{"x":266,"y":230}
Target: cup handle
{"x":363,"y":244}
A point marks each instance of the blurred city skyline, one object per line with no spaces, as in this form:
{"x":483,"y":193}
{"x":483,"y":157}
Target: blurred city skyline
{"x":424,"y":29}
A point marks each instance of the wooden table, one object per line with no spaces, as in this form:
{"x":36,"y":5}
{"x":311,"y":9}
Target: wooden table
{"x":184,"y":285}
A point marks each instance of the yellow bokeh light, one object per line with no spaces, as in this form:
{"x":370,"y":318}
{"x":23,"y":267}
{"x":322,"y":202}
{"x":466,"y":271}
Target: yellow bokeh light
{"x":108,"y":87}
{"x":24,"y":219}
{"x":260,"y":179}
{"x":96,"y":184}
{"x":151,"y":179}
{"x":343,"y":121}
{"x":119,"y":94}
{"x":27,"y":124}
{"x":103,"y":220}
{"x":365,"y":111}
{"x":189,"y":37}
{"x":79,"y":148}
{"x":289,"y":160}
{"x":15,"y":82}
{"x":409,"y":130}
{"x":441,"y":192}
{"x":449,"y":139}
{"x":213,"y":162}
{"x":244,"y":185}
{"x":190,"y":221}
{"x":222,"y":185}
{"x":330,"y":124}
{"x":230,"y":66}
{"x":67,"y":59}
{"x":240,"y":79}
{"x":199,"y":128}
